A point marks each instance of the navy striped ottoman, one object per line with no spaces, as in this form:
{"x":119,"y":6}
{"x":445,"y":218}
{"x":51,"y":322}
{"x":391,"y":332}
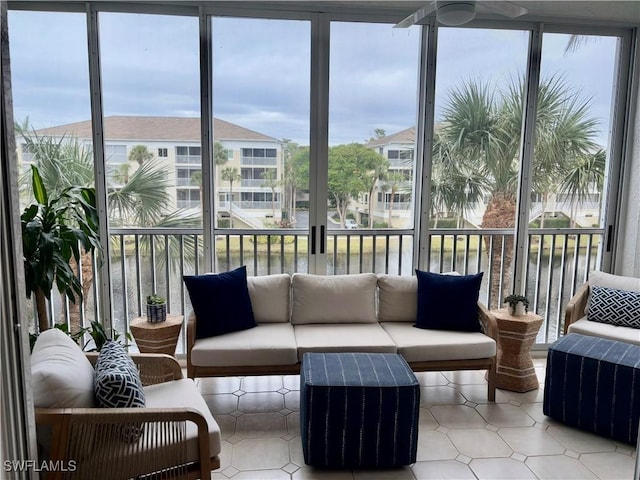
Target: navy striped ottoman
{"x":358,"y":410}
{"x":593,"y":383}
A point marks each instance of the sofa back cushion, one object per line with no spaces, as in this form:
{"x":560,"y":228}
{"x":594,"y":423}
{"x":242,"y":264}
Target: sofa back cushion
{"x":270,"y":297}
{"x":61,"y":374}
{"x":397,"y":298}
{"x":333,"y":298}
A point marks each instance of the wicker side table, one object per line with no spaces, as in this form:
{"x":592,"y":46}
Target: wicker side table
{"x":515,"y":370}
{"x":157,"y":337}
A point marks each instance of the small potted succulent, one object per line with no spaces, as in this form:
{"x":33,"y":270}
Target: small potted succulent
{"x":518,"y":304}
{"x":156,"y":308}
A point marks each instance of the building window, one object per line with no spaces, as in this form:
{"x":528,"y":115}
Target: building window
{"x":229,"y":154}
{"x":163,"y":152}
{"x":400,"y":158}
{"x":189,"y":155}
{"x":187,"y":176}
{"x":259,"y":156}
{"x":115,"y":154}
{"x":188,"y":198}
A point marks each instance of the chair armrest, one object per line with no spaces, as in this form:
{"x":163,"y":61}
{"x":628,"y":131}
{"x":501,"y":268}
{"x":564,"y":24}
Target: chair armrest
{"x":576,"y":306}
{"x":87,"y":435}
{"x":154,"y":367}
{"x":488,"y":322}
{"x":191,"y":340}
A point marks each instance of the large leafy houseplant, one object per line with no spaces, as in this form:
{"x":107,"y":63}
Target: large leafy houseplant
{"x":54,"y":230}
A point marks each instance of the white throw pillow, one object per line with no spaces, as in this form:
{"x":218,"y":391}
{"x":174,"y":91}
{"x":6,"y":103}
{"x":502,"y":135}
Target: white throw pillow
{"x":61,"y":374}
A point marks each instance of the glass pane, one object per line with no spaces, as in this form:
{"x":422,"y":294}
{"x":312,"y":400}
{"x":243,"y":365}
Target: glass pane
{"x":261,"y":96}
{"x":476,"y":153}
{"x":151,"y":99}
{"x":372,"y":112}
{"x":571,"y":157}
{"x":50,"y":84}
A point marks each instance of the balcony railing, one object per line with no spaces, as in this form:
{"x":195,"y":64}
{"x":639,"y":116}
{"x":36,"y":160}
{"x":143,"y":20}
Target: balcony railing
{"x":259,"y":161}
{"x":154,"y":260}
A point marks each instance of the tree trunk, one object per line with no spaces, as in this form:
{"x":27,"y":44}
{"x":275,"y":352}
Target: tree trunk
{"x":41,"y":308}
{"x":230,"y":204}
{"x":500,"y":213}
{"x":75,"y":317}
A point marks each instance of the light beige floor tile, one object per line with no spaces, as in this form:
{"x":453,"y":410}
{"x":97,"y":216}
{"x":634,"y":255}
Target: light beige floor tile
{"x":478,"y":394}
{"x":435,"y":446}
{"x":268,"y":383}
{"x":466,"y":377}
{"x":609,"y":466}
{"x":295,"y":451}
{"x":293,"y":423}
{"x":292,"y":382}
{"x":262,"y":475}
{"x":500,"y":469}
{"x":579,"y":441}
{"x":226,"y":450}
{"x":479,"y":443}
{"x":530,"y":441}
{"x":559,"y":467}
{"x":221,"y":403}
{"x":534,"y":410}
{"x":441,"y":395}
{"x":292,"y":400}
{"x":431,"y":379}
{"x":260,"y":425}
{"x":426,"y":420}
{"x":309,"y":473}
{"x":504,"y":415}
{"x":387,"y":474}
{"x":457,"y":416}
{"x":209,"y":386}
{"x":441,"y":470}
{"x":261,"y":402}
{"x":536,"y":395}
{"x":227,"y":424}
{"x":260,"y":453}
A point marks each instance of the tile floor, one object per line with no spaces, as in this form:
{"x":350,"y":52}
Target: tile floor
{"x":461,"y":436}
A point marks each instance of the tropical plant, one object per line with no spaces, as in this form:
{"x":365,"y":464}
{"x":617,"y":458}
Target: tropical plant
{"x":296,"y":175}
{"x":95,"y":330}
{"x":395,"y":182}
{"x":140,"y":154}
{"x":513,"y":300}
{"x":379,"y":167}
{"x":155,"y":299}
{"x":231,"y":175}
{"x":54,"y":230}
{"x":271,"y":181}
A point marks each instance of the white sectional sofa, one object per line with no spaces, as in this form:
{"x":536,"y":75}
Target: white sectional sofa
{"x":342,"y":313}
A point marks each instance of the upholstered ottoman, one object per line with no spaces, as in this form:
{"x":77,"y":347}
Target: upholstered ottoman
{"x":358,"y":410}
{"x":593,"y":383}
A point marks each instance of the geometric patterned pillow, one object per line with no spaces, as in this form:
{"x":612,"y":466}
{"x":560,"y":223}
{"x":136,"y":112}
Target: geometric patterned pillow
{"x":615,"y":307}
{"x":117,"y":383}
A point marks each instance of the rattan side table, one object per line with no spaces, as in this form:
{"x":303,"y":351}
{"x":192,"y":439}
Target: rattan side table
{"x":516,"y":335}
{"x":157,"y":337}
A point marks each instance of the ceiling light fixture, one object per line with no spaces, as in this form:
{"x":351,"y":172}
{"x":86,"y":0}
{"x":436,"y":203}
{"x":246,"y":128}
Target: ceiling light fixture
{"x":453,"y":14}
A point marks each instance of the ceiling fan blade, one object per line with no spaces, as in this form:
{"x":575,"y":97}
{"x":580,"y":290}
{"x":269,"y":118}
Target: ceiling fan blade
{"x":416,"y":16}
{"x":507,"y":9}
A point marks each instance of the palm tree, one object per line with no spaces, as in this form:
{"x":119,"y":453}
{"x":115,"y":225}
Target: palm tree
{"x":230,"y":174}
{"x":394,"y":183}
{"x":379,"y":168}
{"x":481,"y":134}
{"x":271,"y":181}
{"x":140,"y":154}
{"x":581,"y":177}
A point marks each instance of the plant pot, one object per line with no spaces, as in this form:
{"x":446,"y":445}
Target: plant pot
{"x":518,"y":309}
{"x":156,"y":313}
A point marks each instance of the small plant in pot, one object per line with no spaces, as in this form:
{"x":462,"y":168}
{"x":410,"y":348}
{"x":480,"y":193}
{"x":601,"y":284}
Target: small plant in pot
{"x":518,"y":304}
{"x":156,"y":308}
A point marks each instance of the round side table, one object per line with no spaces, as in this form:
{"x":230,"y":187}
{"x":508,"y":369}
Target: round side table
{"x":159,"y":337}
{"x":516,"y":335}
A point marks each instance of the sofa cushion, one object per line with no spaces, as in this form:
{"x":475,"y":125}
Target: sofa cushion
{"x":221,"y":302}
{"x":333,"y":298}
{"x":614,"y":306}
{"x":421,"y":345}
{"x":117,"y":380}
{"x":602,"y":279}
{"x":448,"y":302}
{"x":61,"y":374}
{"x":267,"y":344}
{"x":612,"y":332}
{"x":353,"y":337}
{"x":270,"y":297}
{"x":397,"y":298}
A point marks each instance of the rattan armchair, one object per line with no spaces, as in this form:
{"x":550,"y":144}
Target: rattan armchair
{"x":173,"y":443}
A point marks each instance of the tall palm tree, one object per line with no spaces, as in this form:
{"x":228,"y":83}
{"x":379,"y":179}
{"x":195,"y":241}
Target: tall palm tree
{"x":140,"y":154}
{"x":394,"y":183}
{"x":378,"y":172}
{"x":481,"y":134}
{"x":581,"y":177}
{"x":231,"y":175}
{"x":271,"y":181}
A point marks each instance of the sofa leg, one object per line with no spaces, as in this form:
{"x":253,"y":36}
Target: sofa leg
{"x":491,"y":380}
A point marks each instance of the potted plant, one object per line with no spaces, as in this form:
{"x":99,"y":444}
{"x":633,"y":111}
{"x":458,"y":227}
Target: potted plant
{"x":54,"y":230}
{"x":156,"y":308}
{"x":519,"y":305}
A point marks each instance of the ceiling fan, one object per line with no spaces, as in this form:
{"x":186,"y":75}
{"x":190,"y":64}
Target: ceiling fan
{"x":454,"y":13}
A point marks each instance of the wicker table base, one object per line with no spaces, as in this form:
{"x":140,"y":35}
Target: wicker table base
{"x":157,"y":337}
{"x":515,"y":370}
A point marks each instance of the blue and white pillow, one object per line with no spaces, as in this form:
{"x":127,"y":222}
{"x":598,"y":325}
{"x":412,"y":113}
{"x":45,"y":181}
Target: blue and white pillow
{"x":117,"y":384}
{"x":614,"y":307}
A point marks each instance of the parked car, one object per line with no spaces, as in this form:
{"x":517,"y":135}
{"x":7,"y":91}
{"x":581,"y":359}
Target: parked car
{"x":350,"y":224}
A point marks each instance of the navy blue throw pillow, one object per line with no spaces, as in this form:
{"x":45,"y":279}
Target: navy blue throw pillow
{"x":448,"y":302}
{"x":221,"y":302}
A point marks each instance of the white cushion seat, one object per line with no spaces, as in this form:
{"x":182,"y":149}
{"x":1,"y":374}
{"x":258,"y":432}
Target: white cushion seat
{"x":612,"y":332}
{"x":421,"y":345}
{"x":264,"y":345}
{"x":343,"y":337}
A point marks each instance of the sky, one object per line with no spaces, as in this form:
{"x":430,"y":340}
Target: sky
{"x":261,"y":71}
